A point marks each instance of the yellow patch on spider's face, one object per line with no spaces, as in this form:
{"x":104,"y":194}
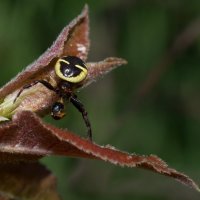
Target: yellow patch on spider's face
{"x":71,"y":69}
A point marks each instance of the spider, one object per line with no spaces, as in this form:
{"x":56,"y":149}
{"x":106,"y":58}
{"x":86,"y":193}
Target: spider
{"x":72,"y":71}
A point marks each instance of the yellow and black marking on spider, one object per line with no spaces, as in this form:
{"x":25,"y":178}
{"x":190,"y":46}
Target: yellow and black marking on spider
{"x":72,"y":71}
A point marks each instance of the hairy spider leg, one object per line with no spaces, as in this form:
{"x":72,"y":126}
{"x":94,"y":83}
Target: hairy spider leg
{"x":43,"y":82}
{"x":80,"y":108}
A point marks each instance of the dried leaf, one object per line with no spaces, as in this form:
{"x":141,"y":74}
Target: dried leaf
{"x":98,"y":69}
{"x":27,"y":181}
{"x":68,"y":43}
{"x":28,"y":136}
{"x":73,"y":41}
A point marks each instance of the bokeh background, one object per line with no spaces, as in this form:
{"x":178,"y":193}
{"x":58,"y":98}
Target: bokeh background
{"x":150,"y":106}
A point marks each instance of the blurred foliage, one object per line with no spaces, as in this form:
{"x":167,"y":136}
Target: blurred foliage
{"x":165,"y":121}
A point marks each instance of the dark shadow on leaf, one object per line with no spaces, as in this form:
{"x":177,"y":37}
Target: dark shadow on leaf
{"x":27,"y":181}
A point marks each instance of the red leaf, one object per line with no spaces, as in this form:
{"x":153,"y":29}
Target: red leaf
{"x":73,"y":40}
{"x":99,"y":69}
{"x":28,"y":138}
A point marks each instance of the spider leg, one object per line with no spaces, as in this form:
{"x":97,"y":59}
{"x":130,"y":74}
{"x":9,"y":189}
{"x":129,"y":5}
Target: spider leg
{"x":80,"y":108}
{"x":43,"y":82}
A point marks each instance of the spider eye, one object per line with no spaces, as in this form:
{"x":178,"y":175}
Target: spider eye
{"x":71,"y":69}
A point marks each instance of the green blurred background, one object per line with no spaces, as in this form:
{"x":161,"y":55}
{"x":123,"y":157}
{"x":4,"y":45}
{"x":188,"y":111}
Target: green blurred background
{"x":161,"y":118}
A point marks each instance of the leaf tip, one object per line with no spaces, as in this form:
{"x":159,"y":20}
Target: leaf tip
{"x":85,"y":10}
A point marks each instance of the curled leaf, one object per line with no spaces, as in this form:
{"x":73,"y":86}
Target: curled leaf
{"x":67,"y":43}
{"x":25,"y":137}
{"x":73,"y":41}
